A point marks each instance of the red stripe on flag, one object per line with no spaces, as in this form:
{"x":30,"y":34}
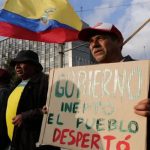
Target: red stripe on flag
{"x":58,"y":35}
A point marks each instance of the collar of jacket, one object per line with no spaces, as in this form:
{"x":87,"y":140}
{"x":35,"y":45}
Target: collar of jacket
{"x":128,"y":58}
{"x":36,"y":77}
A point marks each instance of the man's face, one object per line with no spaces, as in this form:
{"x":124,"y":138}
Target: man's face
{"x":24,"y":70}
{"x":103,"y":48}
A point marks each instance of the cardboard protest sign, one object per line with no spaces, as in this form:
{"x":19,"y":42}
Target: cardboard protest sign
{"x":92,"y":107}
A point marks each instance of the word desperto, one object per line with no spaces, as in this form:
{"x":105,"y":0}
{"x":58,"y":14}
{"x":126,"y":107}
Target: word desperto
{"x":89,"y":141}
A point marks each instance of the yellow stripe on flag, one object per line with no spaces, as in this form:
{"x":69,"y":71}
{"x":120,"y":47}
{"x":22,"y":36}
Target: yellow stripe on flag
{"x":59,"y":10}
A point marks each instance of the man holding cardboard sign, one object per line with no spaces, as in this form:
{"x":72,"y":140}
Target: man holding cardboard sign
{"x":105,"y":43}
{"x":86,"y":104}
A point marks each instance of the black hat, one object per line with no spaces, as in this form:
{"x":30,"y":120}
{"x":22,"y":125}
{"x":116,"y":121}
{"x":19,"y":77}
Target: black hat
{"x":27,"y":56}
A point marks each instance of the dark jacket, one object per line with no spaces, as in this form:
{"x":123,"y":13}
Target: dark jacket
{"x":32,"y":100}
{"x":4,"y":140}
{"x":148,"y":127}
{"x":128,"y":58}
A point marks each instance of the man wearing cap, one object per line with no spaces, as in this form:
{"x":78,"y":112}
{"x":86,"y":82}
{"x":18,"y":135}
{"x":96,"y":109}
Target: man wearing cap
{"x":105,"y":44}
{"x":24,"y":107}
{"x":4,"y":92}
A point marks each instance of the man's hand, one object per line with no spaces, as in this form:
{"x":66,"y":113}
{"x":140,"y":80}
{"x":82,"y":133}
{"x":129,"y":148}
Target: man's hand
{"x":17,"y":120}
{"x":143,"y":108}
{"x":45,"y":109}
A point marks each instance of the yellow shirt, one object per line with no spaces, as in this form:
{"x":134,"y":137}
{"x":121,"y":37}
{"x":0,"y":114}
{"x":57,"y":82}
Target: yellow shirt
{"x":12,"y":106}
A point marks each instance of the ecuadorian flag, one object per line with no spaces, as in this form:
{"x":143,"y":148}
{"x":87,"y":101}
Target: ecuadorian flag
{"x":39,"y":20}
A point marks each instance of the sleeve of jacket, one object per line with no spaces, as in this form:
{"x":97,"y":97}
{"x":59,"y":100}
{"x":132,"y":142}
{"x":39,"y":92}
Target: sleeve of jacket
{"x":4,"y":140}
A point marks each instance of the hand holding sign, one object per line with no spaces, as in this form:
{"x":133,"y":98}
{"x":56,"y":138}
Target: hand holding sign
{"x":143,"y":108}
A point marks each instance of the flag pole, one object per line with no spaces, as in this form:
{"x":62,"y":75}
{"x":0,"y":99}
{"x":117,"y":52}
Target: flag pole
{"x":131,"y":36}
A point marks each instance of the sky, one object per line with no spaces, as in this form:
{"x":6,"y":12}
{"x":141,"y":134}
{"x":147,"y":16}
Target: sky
{"x":126,"y":15}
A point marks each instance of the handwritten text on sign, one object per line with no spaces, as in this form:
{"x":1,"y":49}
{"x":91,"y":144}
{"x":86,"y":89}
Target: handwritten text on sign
{"x":92,"y":107}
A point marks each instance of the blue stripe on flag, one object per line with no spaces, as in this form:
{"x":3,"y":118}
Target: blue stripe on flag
{"x":35,"y":25}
